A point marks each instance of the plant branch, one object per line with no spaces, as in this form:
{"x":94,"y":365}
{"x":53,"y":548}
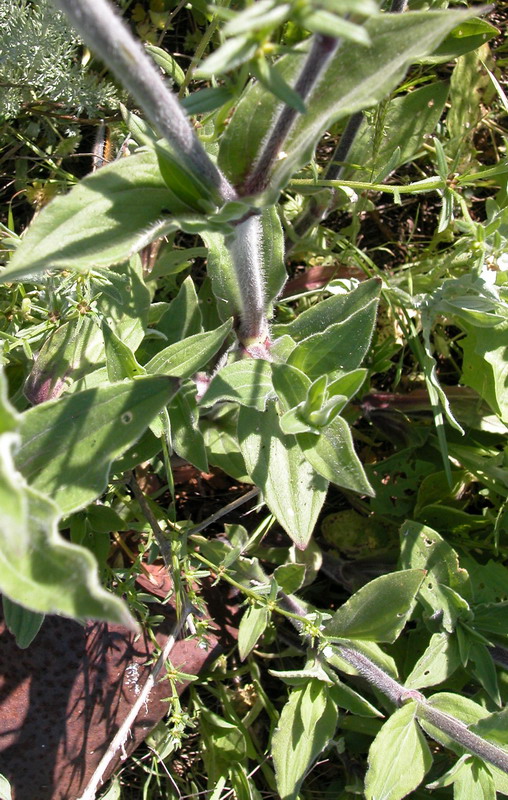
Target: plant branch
{"x":399,"y":694}
{"x":118,"y":741}
{"x":163,"y":543}
{"x":106,"y":33}
{"x":320,"y":210}
{"x":323,"y":47}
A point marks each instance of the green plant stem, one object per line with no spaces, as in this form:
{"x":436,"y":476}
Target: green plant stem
{"x":461,"y":734}
{"x":425,"y":185}
{"x":398,"y":695}
{"x":322,"y":49}
{"x":245,"y":245}
{"x":106,"y":33}
{"x":320,"y":210}
{"x":163,"y":543}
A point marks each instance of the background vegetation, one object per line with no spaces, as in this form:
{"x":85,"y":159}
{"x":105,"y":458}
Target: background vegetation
{"x":367,"y":399}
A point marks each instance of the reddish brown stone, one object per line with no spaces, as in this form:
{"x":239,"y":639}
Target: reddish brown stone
{"x":63,"y":699}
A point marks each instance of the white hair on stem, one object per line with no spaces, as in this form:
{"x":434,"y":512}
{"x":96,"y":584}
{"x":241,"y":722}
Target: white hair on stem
{"x":246,"y":248}
{"x":108,"y":36}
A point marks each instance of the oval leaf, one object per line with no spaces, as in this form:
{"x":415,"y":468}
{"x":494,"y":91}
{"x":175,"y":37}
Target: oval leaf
{"x":379,"y":610}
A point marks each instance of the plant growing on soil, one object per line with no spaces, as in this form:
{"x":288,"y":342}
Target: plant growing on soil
{"x":210,"y":375}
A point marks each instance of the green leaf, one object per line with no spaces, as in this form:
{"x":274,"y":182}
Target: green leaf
{"x":166,"y":62}
{"x":47,"y":574}
{"x":438,"y":662}
{"x":290,"y":577}
{"x":406,"y":121}
{"x":186,"y":437}
{"x":252,"y":626}
{"x":337,"y":308}
{"x":467,"y":36}
{"x":183,"y":359}
{"x":125,"y":302}
{"x":321,"y":21}
{"x":484,"y":670}
{"x":22,"y":623}
{"x":291,"y":385}
{"x":68,"y":354}
{"x":342,"y":346}
{"x":485,"y":367}
{"x":120,"y":360}
{"x":399,"y":757}
{"x":101,"y":221}
{"x":332,"y":454}
{"x":306,"y":724}
{"x":222,"y":446}
{"x":379,"y":610}
{"x":247,"y":382}
{"x":297,"y":500}
{"x":67,"y":445}
{"x":424,"y":548}
{"x":355,"y":78}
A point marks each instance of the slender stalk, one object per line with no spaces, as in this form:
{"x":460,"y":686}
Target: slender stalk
{"x":106,"y":33}
{"x":323,"y":47}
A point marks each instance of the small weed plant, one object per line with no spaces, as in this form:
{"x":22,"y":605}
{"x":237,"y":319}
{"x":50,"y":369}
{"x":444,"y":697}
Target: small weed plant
{"x":365,"y":401}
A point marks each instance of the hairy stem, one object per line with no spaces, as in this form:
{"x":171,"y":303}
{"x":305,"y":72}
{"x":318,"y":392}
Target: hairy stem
{"x":246,"y":248}
{"x":108,"y":36}
{"x":323,"y":47}
{"x":318,"y":211}
{"x":398,"y":695}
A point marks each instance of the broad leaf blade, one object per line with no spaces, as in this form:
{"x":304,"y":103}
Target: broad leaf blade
{"x":101,"y":221}
{"x":291,"y":488}
{"x":379,"y":610}
{"x":183,"y":359}
{"x":332,"y":454}
{"x":247,"y":382}
{"x":356,"y":77}
{"x":399,"y":757}
{"x":67,"y":445}
{"x":252,"y":626}
{"x":305,"y":726}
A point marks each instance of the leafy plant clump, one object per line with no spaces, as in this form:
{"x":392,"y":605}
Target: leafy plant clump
{"x":341,"y":169}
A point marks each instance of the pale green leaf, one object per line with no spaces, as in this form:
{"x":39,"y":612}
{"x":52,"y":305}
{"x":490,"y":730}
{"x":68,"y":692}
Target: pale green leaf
{"x":186,"y":436}
{"x":103,"y":220}
{"x":332,"y":454}
{"x":379,"y":610}
{"x":337,"y":308}
{"x":183,"y":359}
{"x":269,"y":454}
{"x":399,"y":757}
{"x":342,"y":346}
{"x":438,"y":662}
{"x":355,"y":78}
{"x":22,"y":623}
{"x":248,"y":382}
{"x":306,"y":724}
{"x":252,"y":626}
{"x":68,"y":444}
{"x":485,"y":367}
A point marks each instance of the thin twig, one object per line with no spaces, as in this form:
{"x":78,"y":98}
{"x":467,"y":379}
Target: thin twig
{"x":160,"y":538}
{"x":222,"y":513}
{"x":120,"y":738}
